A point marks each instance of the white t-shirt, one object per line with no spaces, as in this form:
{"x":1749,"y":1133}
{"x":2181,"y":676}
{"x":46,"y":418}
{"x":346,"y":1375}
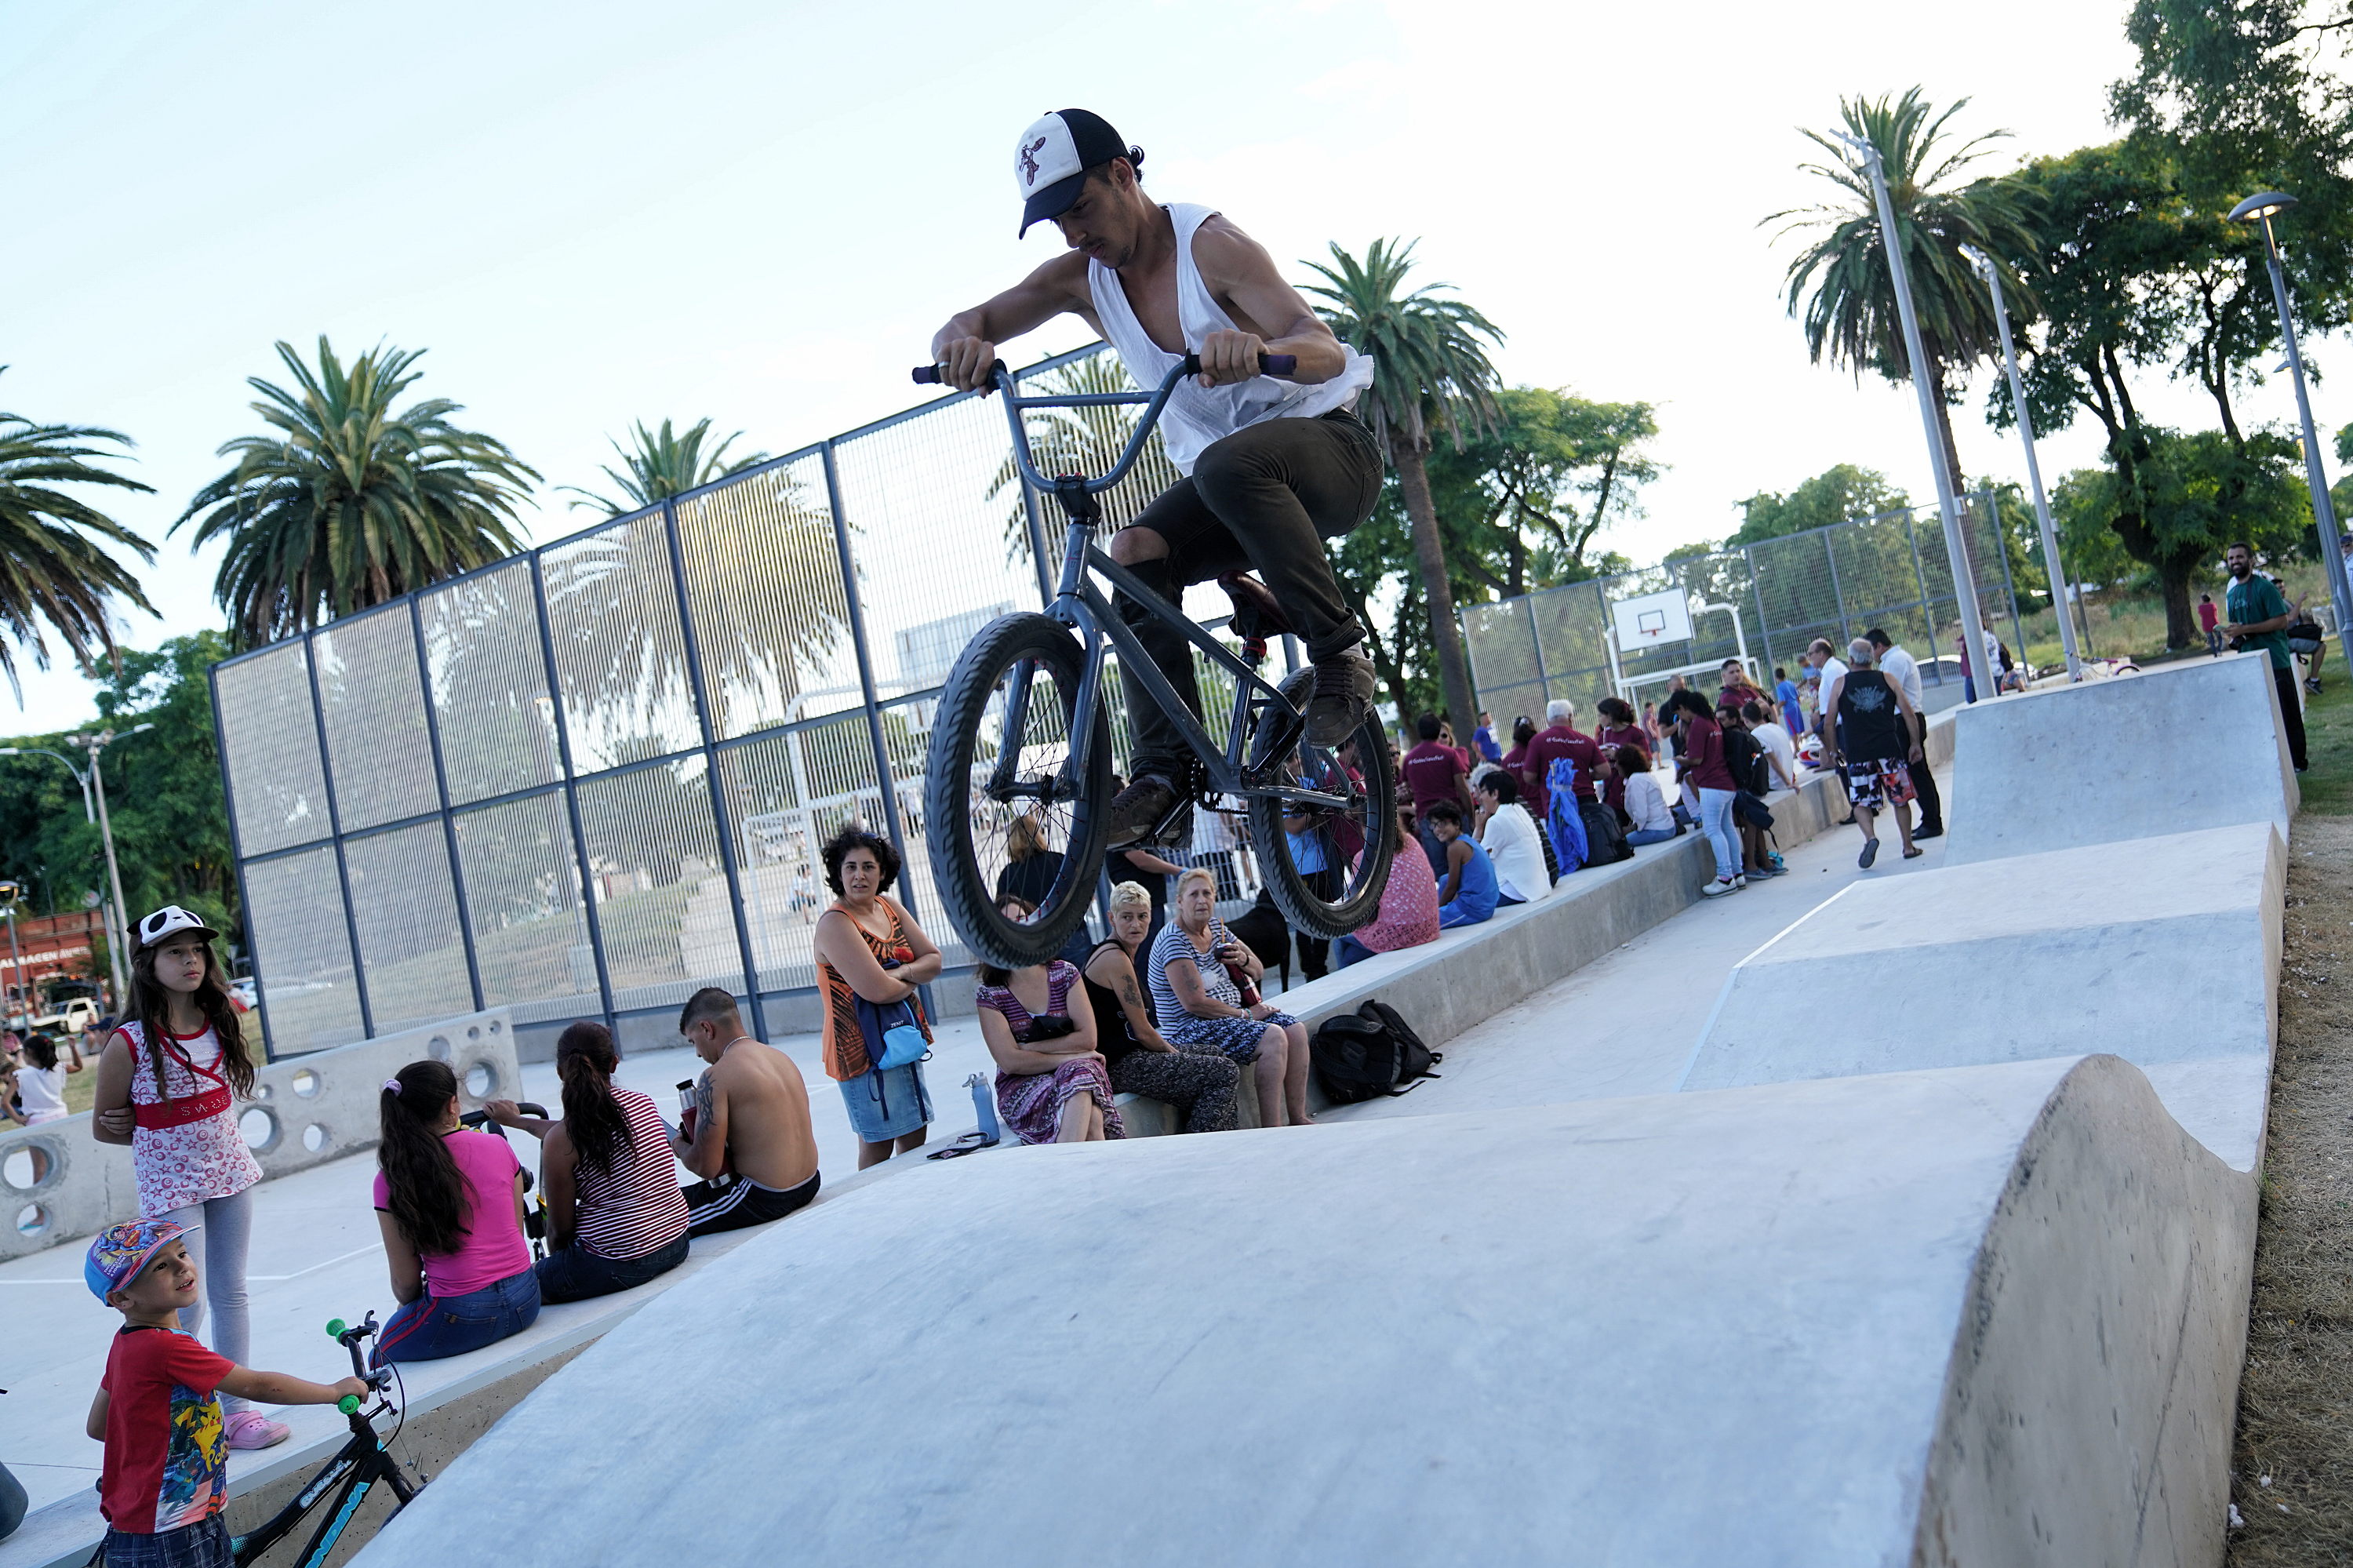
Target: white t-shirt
{"x":1775,"y":740}
{"x":1904,"y":670}
{"x":1510,"y":840}
{"x":1833,"y":671}
{"x":1646,"y":804}
{"x":42,"y":1091}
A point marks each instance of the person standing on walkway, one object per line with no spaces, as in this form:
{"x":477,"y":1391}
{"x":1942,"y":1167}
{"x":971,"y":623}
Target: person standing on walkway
{"x":2259,"y":620}
{"x":1704,"y":765}
{"x":1875,"y":729}
{"x":1198,"y":1082}
{"x":869,"y":948}
{"x":2210,"y":621}
{"x":167,"y":1086}
{"x":1482,"y":740}
{"x":1785,"y":692}
{"x":1900,"y":667}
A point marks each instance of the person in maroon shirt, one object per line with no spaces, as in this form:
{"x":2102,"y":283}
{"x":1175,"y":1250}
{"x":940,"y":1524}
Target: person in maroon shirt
{"x":1559,"y":738}
{"x":1433,"y":771}
{"x":1619,"y":728}
{"x":1703,"y":764}
{"x":1524,"y":730}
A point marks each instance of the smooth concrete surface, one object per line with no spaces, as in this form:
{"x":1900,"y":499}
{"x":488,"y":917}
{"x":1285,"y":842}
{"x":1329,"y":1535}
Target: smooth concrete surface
{"x":2188,"y":746}
{"x":305,"y":1110}
{"x":2160,"y":950}
{"x":1816,"y":1323}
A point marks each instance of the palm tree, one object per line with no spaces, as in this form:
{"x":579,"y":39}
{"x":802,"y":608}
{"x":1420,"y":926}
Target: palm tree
{"x":1430,"y":370}
{"x":656,"y":467}
{"x":1850,"y":318}
{"x":51,"y":569}
{"x":351,"y":503}
{"x":1086,"y":440}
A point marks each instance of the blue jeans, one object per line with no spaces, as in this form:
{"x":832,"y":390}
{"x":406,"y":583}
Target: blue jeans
{"x":575,"y":1274}
{"x":1715,"y":821}
{"x":204,"y":1544}
{"x":1650,"y":836}
{"x":1348,"y":950}
{"x":433,"y":1327}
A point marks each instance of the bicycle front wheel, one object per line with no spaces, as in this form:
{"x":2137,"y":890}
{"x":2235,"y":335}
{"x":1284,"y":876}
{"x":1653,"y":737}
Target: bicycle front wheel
{"x":1324,"y":866}
{"x":1006,"y":817}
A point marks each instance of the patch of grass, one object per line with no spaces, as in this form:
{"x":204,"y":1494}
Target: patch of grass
{"x":2328,"y":745}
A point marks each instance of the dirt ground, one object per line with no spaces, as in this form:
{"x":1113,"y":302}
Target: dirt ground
{"x":2292,"y":1477}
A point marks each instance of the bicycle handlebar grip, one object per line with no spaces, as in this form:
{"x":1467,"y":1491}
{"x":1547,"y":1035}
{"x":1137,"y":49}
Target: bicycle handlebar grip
{"x":335,"y":1327}
{"x":349,"y":1405}
{"x":1268,"y":364}
{"x":928,"y":376}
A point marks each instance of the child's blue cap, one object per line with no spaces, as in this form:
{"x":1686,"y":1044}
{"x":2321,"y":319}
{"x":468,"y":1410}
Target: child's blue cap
{"x":118,"y":1253}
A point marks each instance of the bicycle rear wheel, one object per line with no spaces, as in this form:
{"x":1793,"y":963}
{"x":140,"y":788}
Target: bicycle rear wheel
{"x":1326,"y":867}
{"x":998,"y":796}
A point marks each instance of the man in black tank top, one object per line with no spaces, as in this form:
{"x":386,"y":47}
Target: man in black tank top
{"x":1263,"y":498}
{"x":1874,"y":747}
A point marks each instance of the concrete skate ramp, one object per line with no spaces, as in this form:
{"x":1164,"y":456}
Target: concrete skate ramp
{"x":1993,"y":1313}
{"x":2196,"y":744}
{"x":2165,"y":951}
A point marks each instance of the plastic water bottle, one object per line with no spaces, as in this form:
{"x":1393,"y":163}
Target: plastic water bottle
{"x":984,"y":1107}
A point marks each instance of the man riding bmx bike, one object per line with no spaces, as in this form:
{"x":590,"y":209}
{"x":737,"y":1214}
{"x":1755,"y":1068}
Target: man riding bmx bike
{"x":1271,"y":467}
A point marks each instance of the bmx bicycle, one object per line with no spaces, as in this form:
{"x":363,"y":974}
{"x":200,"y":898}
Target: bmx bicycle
{"x":358,"y":1467}
{"x":1023,"y":731}
{"x":534,"y":1213}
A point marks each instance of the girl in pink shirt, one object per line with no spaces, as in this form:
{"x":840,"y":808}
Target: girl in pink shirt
{"x":449,"y":1202}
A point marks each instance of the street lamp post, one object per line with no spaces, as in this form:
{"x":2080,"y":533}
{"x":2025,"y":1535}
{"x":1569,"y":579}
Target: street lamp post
{"x":2258,"y":208}
{"x":1992,"y":275}
{"x":12,"y":893}
{"x":1947,"y":502}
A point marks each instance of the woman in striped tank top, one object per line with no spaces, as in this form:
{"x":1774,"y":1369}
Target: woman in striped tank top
{"x":616,"y":1217}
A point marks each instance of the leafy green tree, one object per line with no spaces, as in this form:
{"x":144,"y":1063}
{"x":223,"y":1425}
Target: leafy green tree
{"x":657,"y":465}
{"x":1520,"y":501}
{"x":1839,"y":283}
{"x":1838,"y":494}
{"x":350,"y":502}
{"x":54,"y":570}
{"x":162,"y":790}
{"x":1433,"y":375}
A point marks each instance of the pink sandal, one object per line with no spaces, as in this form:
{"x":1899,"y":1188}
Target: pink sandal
{"x":250,"y":1429}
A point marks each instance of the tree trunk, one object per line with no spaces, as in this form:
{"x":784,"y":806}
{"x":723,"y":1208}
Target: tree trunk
{"x":2180,"y":625}
{"x":1430,"y":553}
{"x":1945,"y":428}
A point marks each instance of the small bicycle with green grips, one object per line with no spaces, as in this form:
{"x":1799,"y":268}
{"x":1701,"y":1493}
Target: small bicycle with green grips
{"x":345,"y":1480}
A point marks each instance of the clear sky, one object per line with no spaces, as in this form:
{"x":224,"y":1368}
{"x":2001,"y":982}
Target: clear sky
{"x":595,"y":213}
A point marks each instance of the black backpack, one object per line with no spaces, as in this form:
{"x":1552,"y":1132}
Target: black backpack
{"x":1746,"y":758}
{"x":1369,"y":1052}
{"x":1605,"y":841}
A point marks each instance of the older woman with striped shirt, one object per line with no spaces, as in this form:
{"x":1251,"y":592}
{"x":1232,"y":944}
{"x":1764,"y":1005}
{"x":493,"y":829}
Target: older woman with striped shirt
{"x":616,"y":1217}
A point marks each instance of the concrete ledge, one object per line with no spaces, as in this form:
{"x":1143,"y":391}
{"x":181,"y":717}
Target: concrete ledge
{"x":305,"y":1111}
{"x":2162,"y":950}
{"x":2192,"y":745}
{"x":1982,"y":1314}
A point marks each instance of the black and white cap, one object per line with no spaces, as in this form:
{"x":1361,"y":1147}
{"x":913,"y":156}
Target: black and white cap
{"x":169,"y":921}
{"x":1054,"y":155}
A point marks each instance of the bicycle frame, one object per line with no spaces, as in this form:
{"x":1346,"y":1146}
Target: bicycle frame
{"x":1079,"y":604}
{"x":350,"y":1475}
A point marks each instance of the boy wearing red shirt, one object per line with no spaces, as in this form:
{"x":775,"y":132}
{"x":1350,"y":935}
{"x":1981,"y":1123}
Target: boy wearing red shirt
{"x":165,"y":1477}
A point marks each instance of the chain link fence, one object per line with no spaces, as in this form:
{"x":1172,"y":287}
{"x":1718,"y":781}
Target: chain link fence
{"x":591,"y":779}
{"x":1766,"y":601}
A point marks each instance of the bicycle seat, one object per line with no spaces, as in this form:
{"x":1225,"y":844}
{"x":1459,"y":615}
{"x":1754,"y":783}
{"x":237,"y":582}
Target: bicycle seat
{"x":1257,"y":616}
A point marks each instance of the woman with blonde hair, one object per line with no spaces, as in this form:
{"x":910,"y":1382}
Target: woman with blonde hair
{"x":1198,"y":1002}
{"x":1197,"y":1081}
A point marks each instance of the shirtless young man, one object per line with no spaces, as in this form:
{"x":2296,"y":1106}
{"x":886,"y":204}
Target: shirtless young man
{"x":1273,"y":468}
{"x":752,"y":1109}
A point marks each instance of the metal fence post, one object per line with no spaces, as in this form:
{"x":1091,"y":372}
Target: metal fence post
{"x":1837,"y":595}
{"x":2001,"y":549}
{"x":335,"y":827}
{"x":441,"y":793}
{"x":1928,"y":606}
{"x":853,"y":600}
{"x":237,"y":854}
{"x":718,"y":814}
{"x":1764,"y":631}
{"x":586,"y":872}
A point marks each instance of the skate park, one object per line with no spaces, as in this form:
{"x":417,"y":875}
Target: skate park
{"x":1980,"y":1287}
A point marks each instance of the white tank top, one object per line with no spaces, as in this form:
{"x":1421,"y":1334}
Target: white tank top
{"x":1197,"y":415}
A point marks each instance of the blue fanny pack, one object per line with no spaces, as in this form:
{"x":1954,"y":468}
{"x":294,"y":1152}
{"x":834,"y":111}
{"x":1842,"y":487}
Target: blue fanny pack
{"x":892,"y":1036}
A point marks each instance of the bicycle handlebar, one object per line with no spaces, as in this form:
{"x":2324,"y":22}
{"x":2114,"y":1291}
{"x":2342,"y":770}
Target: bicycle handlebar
{"x":1268,"y":365}
{"x":349,"y":1336}
{"x":522,"y":1107}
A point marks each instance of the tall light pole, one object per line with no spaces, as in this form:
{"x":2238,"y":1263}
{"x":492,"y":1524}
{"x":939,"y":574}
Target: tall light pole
{"x":2057,"y":574}
{"x":2258,"y":208}
{"x":94,"y":745}
{"x":12,"y":893}
{"x":1948,"y":503}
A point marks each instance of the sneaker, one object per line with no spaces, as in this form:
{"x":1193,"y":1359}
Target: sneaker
{"x":250,"y":1429}
{"x":1140,"y":807}
{"x":1342,"y":699}
{"x":1740,"y":879}
{"x":1719,"y":887}
{"x":1935,"y":832}
{"x":1870,"y":852}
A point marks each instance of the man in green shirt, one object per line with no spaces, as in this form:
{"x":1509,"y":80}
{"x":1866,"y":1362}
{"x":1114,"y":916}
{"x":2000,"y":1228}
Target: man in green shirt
{"x":2259,"y":618}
